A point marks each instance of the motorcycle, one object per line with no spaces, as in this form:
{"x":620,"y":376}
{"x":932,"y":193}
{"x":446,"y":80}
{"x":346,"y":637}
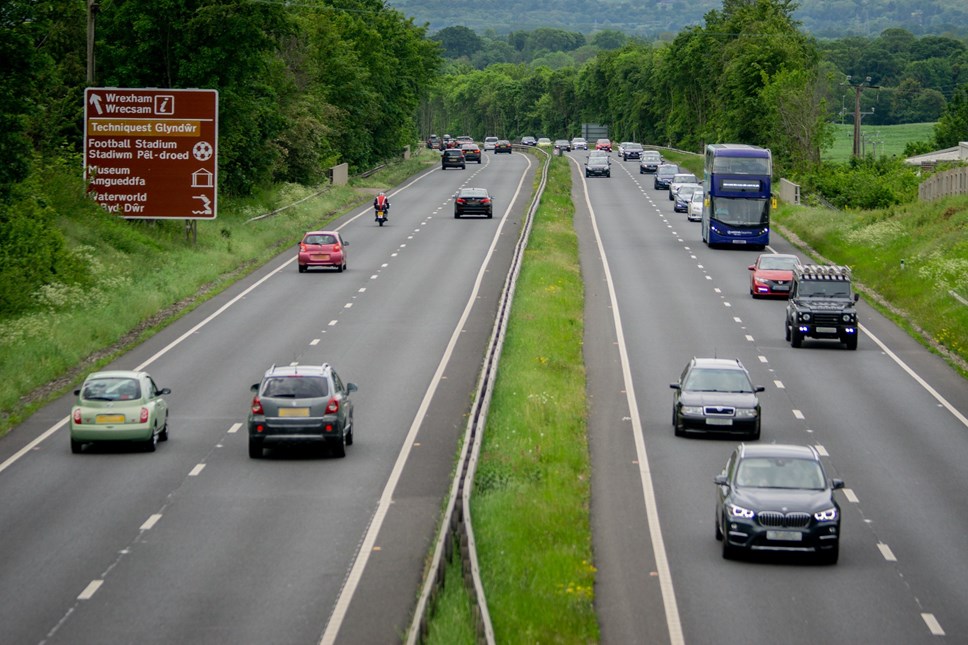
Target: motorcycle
{"x":380,"y":215}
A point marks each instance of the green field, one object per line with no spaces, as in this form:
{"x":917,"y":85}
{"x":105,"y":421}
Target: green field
{"x":879,"y":140}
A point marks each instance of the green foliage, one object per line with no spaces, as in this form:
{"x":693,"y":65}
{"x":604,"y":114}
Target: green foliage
{"x":953,"y":125}
{"x":864,"y":183}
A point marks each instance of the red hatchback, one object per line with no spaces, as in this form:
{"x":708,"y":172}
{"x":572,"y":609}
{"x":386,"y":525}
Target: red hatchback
{"x":322,"y":249}
{"x":603,"y":144}
{"x":772,"y":275}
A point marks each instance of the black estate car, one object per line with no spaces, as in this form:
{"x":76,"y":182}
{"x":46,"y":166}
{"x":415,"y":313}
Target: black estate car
{"x":452,"y":158}
{"x":716,"y":395}
{"x":777,"y":498}
{"x":664,"y":175}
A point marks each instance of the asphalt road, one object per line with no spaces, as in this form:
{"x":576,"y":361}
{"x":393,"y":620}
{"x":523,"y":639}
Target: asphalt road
{"x":197,"y":543}
{"x":900,"y":448}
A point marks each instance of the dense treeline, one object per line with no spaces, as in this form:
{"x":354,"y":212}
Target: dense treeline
{"x":656,"y":18}
{"x":301,"y":87}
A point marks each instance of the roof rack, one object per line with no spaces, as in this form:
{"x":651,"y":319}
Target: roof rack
{"x":824,"y":272}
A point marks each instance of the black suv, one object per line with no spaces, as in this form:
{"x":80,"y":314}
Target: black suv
{"x":452,"y":158}
{"x":822,"y":305}
{"x":298,"y":405}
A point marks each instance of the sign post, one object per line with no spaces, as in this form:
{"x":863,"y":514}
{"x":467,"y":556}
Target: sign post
{"x":152,"y":153}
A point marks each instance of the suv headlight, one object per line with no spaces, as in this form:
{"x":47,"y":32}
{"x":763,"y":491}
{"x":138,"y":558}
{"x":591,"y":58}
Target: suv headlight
{"x":848,"y":318}
{"x":828,"y":515}
{"x":805,"y":317}
{"x":746,"y":413}
{"x":739,"y":511}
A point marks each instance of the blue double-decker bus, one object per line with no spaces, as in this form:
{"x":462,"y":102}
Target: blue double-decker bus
{"x":736,"y":210}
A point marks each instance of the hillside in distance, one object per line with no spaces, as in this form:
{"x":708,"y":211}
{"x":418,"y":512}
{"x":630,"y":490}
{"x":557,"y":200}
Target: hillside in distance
{"x":650,"y":19}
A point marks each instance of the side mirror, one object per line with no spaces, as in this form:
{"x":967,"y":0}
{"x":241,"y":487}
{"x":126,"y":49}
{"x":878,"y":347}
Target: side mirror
{"x":836,"y":483}
{"x":255,"y":387}
{"x":351,"y":387}
{"x":346,"y":243}
{"x":752,"y":267}
{"x":856,"y":297}
{"x":759,"y":388}
{"x":675,"y":386}
{"x":720,"y":480}
{"x":77,"y":392}
{"x":164,"y":390}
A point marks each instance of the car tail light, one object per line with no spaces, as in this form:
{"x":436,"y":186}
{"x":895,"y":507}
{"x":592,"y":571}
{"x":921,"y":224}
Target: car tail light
{"x":77,"y":415}
{"x":486,"y":200}
{"x":257,"y":406}
{"x":460,"y":200}
{"x":336,"y":248}
{"x":144,"y":415}
{"x":332,"y":407}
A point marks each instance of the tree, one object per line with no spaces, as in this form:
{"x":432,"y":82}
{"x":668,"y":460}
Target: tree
{"x":952,"y":127}
{"x":458,"y":41}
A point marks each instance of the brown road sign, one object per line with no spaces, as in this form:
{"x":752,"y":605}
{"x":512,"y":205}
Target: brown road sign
{"x":152,"y":153}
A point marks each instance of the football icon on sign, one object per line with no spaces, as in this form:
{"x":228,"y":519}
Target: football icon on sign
{"x":202,"y":151}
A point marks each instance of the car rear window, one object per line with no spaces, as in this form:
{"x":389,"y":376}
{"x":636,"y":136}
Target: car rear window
{"x":295,"y":387}
{"x":112,"y":389}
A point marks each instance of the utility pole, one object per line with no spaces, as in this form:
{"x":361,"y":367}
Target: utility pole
{"x":858,"y":88}
{"x":92,"y":9}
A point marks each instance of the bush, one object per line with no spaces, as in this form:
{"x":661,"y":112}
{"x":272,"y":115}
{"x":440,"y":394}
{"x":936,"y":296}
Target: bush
{"x":865,"y":183}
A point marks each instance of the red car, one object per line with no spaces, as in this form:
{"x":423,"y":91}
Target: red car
{"x":603,"y":144}
{"x":772,"y":275}
{"x":322,"y":249}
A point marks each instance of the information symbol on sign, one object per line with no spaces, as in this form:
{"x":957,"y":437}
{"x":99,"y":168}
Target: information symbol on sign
{"x":202,"y":151}
{"x":165,"y":104}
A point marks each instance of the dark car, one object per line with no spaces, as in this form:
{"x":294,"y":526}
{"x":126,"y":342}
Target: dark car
{"x":716,"y":395}
{"x":452,"y":158}
{"x":563,"y":144}
{"x":433,"y":141}
{"x":322,"y":249}
{"x":772,"y":275}
{"x":529,"y":141}
{"x":472,"y":152}
{"x":502,"y":145}
{"x":649,"y":161}
{"x":631,"y":151}
{"x":598,"y":166}
{"x":777,"y":498}
{"x":822,"y":305}
{"x":473,"y":201}
{"x":301,"y":405}
{"x":684,"y":196}
{"x":664,"y":174}
{"x":447,"y":142}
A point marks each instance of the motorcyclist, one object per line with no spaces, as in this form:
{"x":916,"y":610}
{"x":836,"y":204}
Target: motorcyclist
{"x":381,"y":203}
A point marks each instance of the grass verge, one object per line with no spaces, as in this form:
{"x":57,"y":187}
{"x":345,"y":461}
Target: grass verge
{"x":148,"y":275}
{"x":913,"y":256}
{"x":531,"y":492}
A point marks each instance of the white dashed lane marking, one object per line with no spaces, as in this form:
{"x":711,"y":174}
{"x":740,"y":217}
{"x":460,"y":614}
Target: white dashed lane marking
{"x":886,"y":552}
{"x":90,"y":589}
{"x":150,"y":522}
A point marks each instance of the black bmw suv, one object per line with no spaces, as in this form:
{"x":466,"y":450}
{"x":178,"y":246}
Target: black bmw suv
{"x":452,"y":158}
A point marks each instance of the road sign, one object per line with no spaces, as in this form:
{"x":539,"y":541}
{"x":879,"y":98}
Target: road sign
{"x":152,"y":153}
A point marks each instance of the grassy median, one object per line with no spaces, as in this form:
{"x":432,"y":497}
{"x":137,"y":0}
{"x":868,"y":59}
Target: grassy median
{"x":531,"y":495}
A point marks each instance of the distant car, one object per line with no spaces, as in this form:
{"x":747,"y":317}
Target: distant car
{"x":120,"y":406}
{"x":471,"y":152}
{"x":772,"y":275}
{"x":529,"y":141}
{"x":777,"y":498}
{"x":490,"y":143}
{"x":603,"y":144}
{"x":684,"y":196}
{"x":503,"y":145}
{"x":694,"y":214}
{"x":447,"y":142}
{"x":579,"y":143}
{"x":631,"y":151}
{"x":322,"y":249}
{"x":563,"y":144}
{"x":598,"y":166}
{"x":301,"y":405}
{"x":621,"y":147}
{"x":664,"y":174}
{"x":544,"y":142}
{"x":716,"y":395}
{"x":649,"y":161}
{"x":462,"y":139}
{"x":452,"y":158}
{"x":473,"y":201}
{"x":678,"y":180}
{"x":433,"y":141}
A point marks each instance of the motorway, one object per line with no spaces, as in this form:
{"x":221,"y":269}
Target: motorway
{"x":889,"y":418}
{"x":198,"y":543}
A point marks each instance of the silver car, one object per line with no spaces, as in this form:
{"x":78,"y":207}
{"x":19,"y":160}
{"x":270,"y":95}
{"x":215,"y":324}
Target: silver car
{"x":694,"y":214}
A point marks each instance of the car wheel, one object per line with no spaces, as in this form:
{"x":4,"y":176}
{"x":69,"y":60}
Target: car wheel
{"x":608,"y":175}
{"x":339,"y":447}
{"x":456,"y":215}
{"x":463,"y":167}
{"x":755,"y":434}
{"x":163,"y":435}
{"x":255,"y":449}
{"x":830,"y":556}
{"x":76,"y":446}
{"x":349,"y":437}
{"x":478,"y":161}
{"x":678,"y":428}
{"x":730,"y":552}
{"x":852,"y":342}
{"x":151,"y":444}
{"x":796,"y":337}
{"x":302,"y":268}
{"x":339,"y":268}
{"x":719,"y":531}
{"x":786,"y":330}
{"x":586,"y":173}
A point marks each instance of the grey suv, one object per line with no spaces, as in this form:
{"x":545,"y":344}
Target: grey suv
{"x":664,"y":175}
{"x":301,"y":404}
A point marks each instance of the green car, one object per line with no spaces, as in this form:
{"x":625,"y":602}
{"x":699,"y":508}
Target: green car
{"x":121,"y":406}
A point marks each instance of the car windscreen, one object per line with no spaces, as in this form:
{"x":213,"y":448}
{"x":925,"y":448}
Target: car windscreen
{"x":717,"y":380}
{"x":823,"y":289}
{"x":770,"y":472}
{"x":295,"y":387}
{"x":741,"y":212}
{"x":778,"y":263}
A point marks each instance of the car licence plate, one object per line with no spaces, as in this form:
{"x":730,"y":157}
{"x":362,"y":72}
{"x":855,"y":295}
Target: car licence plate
{"x":785,"y":536}
{"x":109,"y":418}
{"x":719,"y":422}
{"x":826,"y":330}
{"x":293,"y":412}
{"x":319,"y":257}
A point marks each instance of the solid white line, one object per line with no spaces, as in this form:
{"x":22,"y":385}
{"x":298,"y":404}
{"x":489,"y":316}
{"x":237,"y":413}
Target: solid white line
{"x":197,"y":470}
{"x":90,"y":589}
{"x":673,"y":621}
{"x":235,"y":428}
{"x":150,"y":522}
{"x":920,"y":381}
{"x":386,"y":499}
{"x":933,"y":625}
{"x":886,"y":552}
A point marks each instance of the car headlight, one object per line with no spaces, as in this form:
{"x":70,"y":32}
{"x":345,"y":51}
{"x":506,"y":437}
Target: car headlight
{"x":805,"y":317}
{"x":746,"y":413}
{"x":848,"y":317}
{"x":739,"y":511}
{"x":691,"y":409}
{"x":828,"y":515}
